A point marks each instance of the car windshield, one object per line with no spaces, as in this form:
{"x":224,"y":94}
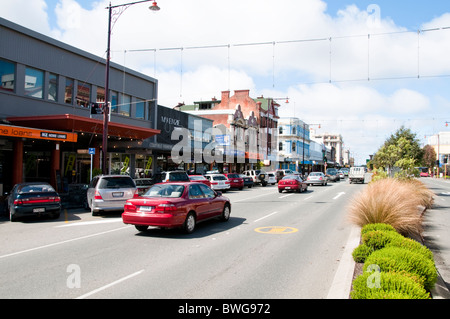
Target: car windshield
{"x":165,"y":190}
{"x":116,"y":182}
{"x":315,"y":174}
{"x":233,"y":175}
{"x":219,"y":178}
{"x":35,"y":188}
{"x":196,"y":178}
{"x":291,"y":177}
{"x":178,"y":177}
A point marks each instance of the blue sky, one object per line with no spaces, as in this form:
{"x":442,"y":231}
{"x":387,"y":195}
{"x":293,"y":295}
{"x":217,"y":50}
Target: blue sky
{"x":365,"y":112}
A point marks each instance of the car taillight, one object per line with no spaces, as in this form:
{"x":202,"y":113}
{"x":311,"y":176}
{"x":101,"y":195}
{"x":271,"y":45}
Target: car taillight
{"x":37,"y":200}
{"x":97,"y":195}
{"x":129,"y":207}
{"x":165,"y":208}
{"x":136,"y":193}
{"x":214,"y":183}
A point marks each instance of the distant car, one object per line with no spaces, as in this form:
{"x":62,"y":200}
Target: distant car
{"x":235,"y":180}
{"x":423,"y":174}
{"x":200,"y":179}
{"x":248,"y":181}
{"x":272,"y":179}
{"x":341,"y":174}
{"x":280,"y":173}
{"x":171,"y":176}
{"x":218,"y":182}
{"x":258,"y":176}
{"x":316,"y":178}
{"x":33,"y":199}
{"x":171,"y":205}
{"x":143,"y":184}
{"x":110,"y":192}
{"x":292,"y":183}
{"x":332,"y":175}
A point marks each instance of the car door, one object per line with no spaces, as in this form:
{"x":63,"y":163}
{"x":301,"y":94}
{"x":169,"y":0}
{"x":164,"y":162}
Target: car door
{"x":215,"y":205}
{"x":198,"y":201}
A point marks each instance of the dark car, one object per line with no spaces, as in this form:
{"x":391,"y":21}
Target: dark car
{"x":33,"y":199}
{"x":248,"y":181}
{"x":179,"y":204}
{"x":332,"y":175}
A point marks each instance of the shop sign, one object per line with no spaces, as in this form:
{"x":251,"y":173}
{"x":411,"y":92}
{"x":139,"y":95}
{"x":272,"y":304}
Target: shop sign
{"x":27,"y":132}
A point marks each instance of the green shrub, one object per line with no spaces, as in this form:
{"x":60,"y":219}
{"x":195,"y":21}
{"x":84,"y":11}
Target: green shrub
{"x":377,"y":226}
{"x":399,"y":259}
{"x":380,"y":239}
{"x":391,"y":285}
{"x":361,"y":252}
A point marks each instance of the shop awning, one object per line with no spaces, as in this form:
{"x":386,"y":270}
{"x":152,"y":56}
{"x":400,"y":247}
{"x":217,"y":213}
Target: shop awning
{"x":76,"y":123}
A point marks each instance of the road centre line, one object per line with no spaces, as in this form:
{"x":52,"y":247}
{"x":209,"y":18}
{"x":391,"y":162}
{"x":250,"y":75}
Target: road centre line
{"x":110,"y":285}
{"x":62,"y":242}
{"x":265,"y":217}
{"x":286,"y":195}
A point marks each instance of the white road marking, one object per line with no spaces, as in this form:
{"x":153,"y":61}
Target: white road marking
{"x":265,"y":217}
{"x":93,"y":222}
{"x":62,"y":242}
{"x":110,"y":285}
{"x":338,"y":195}
{"x":286,"y":195}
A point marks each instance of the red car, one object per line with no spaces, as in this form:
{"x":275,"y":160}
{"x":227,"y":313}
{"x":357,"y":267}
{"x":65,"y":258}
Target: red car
{"x":181,"y":204}
{"x":200,"y":179}
{"x":235,"y":180}
{"x":292,"y":183}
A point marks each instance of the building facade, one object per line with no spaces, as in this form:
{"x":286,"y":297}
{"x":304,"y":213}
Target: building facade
{"x":49,"y":97}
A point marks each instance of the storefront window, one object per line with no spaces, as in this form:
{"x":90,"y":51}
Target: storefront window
{"x":114,"y":101}
{"x":140,"y":109}
{"x":7,"y":75}
{"x":143,"y":166}
{"x":124,"y":106}
{"x":100,"y":95}
{"x":34,"y":80}
{"x":83,"y":94}
{"x":68,"y":95}
{"x":53,"y":87}
{"x":120,"y":164}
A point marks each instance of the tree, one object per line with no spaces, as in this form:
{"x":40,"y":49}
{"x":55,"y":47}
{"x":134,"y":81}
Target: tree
{"x":429,"y":156}
{"x":401,"y":149}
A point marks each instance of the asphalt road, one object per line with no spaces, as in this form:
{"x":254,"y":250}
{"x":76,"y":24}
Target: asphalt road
{"x":275,"y":245}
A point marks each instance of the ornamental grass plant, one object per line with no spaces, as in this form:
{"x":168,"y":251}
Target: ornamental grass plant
{"x":387,"y":201}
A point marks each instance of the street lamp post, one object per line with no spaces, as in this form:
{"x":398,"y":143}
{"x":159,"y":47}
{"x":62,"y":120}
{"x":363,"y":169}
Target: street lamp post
{"x":106,"y":110}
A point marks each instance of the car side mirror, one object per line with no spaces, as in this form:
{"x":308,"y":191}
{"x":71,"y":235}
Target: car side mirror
{"x":218,"y":193}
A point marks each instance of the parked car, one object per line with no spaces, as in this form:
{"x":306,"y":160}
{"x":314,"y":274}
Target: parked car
{"x":171,"y":205}
{"x":316,"y":178}
{"x":258,"y":176}
{"x":235,"y":180}
{"x":200,"y":179}
{"x":143,"y":184}
{"x":292,"y":183}
{"x":171,"y":176}
{"x":332,"y":175}
{"x":341,"y":174}
{"x":218,"y":182}
{"x":110,"y":192}
{"x":248,"y":181}
{"x":33,"y":199}
{"x":280,"y":173}
{"x":271,"y":178}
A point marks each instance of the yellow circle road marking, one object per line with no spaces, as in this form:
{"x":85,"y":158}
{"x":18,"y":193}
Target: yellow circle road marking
{"x":276,"y":230}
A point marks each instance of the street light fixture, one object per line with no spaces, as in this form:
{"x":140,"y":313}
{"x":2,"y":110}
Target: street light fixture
{"x":153,"y":7}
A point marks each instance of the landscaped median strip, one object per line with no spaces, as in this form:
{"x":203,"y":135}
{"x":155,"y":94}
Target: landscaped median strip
{"x":395,"y":266}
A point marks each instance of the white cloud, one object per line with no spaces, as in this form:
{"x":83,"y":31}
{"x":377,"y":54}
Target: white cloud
{"x":324,"y":48}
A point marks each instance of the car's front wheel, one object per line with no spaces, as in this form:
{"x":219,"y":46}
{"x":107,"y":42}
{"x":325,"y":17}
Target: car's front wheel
{"x":189,"y":223}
